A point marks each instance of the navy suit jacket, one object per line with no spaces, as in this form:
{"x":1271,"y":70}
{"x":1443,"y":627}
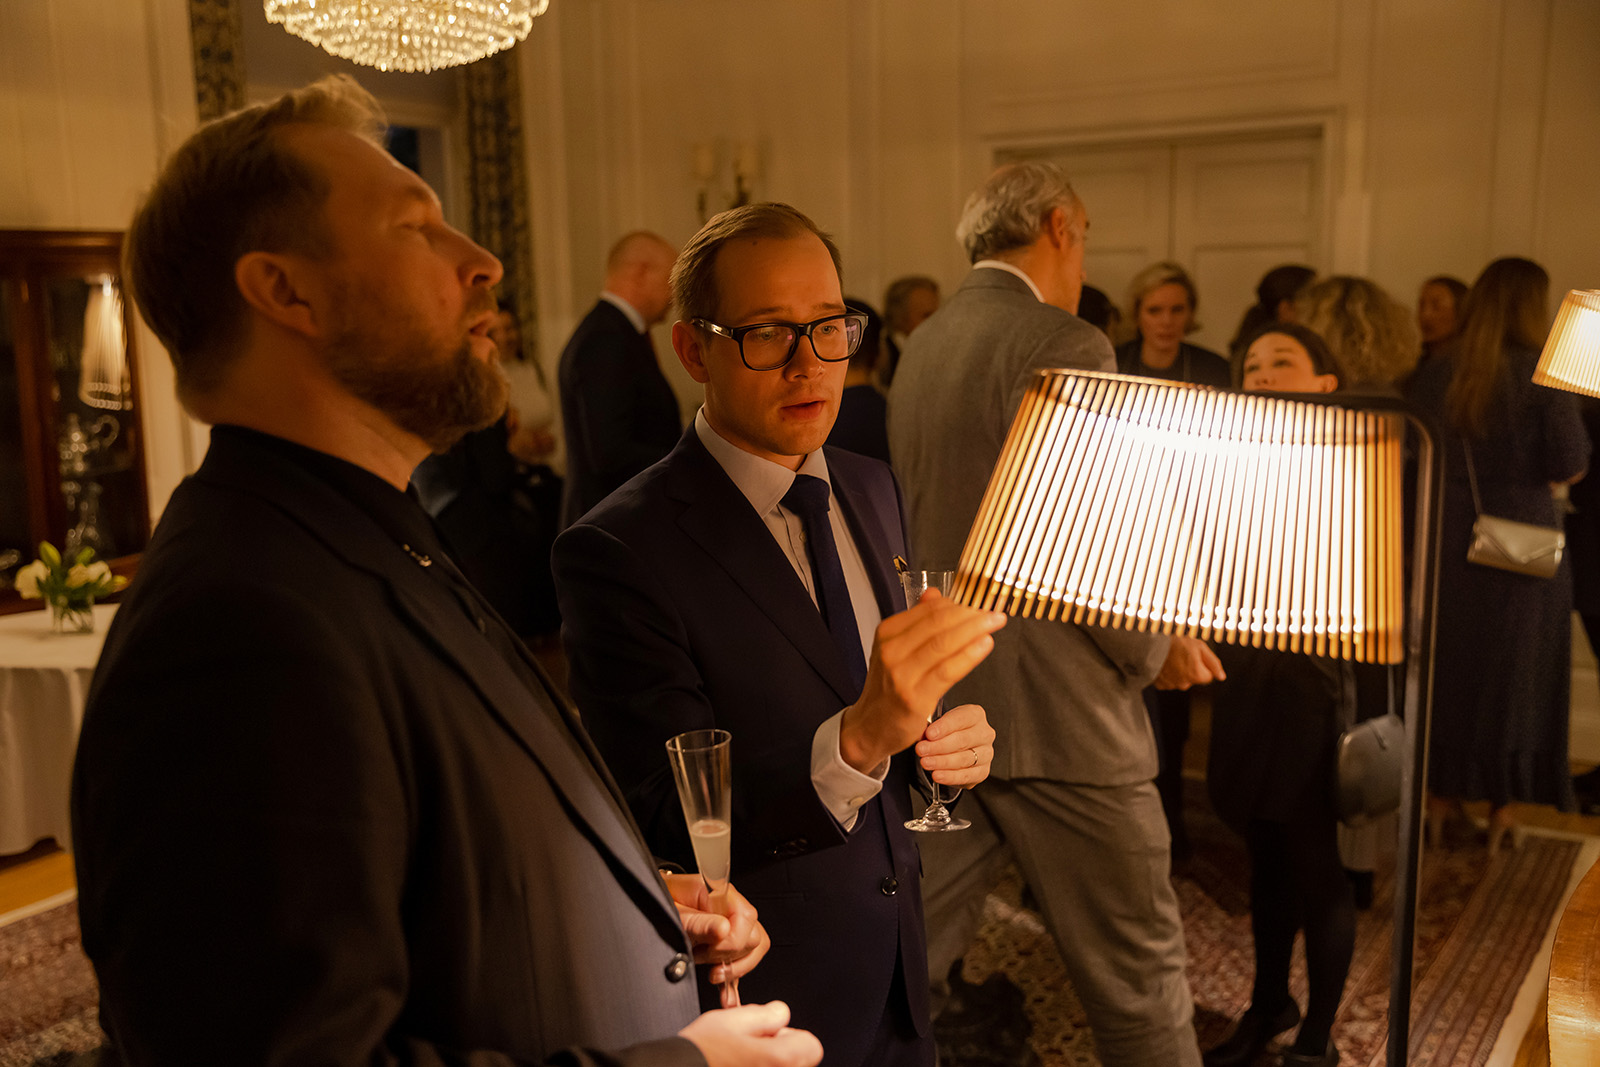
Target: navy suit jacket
{"x":618,"y":413}
{"x":680,"y":612}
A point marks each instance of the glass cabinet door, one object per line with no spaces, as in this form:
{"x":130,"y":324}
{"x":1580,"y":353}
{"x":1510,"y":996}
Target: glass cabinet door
{"x":15,"y":532}
{"x":100,"y":483}
{"x":71,"y":458}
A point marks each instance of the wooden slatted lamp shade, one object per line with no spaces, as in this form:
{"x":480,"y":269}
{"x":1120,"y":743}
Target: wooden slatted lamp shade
{"x":1262,"y":520}
{"x":1571,"y":356}
{"x":1172,"y":508}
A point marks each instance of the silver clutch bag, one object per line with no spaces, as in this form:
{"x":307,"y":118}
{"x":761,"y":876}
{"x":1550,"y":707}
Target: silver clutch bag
{"x":1516,"y":546}
{"x":1509,"y":545}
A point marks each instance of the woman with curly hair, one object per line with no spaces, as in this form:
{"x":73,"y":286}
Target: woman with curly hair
{"x":1372,"y":335}
{"x":1502,"y":656}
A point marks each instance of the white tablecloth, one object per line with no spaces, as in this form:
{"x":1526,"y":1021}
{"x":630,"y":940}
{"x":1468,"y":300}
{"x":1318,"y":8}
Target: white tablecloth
{"x":44,"y":680}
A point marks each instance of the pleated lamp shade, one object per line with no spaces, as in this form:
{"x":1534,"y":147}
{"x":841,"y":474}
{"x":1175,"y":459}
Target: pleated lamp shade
{"x":1571,"y":357}
{"x":1159,"y":506}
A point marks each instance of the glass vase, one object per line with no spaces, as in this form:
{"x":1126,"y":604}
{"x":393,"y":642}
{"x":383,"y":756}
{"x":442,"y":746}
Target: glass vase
{"x":69,"y":618}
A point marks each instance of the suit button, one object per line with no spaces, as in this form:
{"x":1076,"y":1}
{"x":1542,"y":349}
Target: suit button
{"x":889,"y":886}
{"x":678,"y":968}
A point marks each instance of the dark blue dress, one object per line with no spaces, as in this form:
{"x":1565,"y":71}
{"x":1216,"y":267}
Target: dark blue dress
{"x":1502,"y":657}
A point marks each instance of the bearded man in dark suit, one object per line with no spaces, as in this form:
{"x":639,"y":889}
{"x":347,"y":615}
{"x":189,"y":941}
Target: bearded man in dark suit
{"x":326,"y":809}
{"x":746,"y":582}
{"x":618,"y":413}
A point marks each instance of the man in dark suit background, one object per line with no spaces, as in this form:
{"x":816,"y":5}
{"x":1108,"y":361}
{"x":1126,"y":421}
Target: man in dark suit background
{"x":711,"y":591}
{"x":325,"y":808}
{"x":1073,"y":802}
{"x":618,"y":413}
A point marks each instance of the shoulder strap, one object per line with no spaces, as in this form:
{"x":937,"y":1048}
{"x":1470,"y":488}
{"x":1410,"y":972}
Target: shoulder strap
{"x":1472,"y":478}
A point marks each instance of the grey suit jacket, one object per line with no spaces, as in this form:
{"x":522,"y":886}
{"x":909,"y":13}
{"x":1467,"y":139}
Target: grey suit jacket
{"x":1063,"y":699}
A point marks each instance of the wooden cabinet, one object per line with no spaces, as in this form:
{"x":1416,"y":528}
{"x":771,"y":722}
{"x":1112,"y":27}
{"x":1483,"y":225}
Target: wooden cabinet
{"x":71,"y":455}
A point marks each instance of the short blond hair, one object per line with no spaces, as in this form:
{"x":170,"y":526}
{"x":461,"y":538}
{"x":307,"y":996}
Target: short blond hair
{"x":694,"y":276}
{"x":233,"y":187}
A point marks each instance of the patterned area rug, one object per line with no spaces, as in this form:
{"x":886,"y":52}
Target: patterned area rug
{"x":1480,"y":927}
{"x":48,"y":999}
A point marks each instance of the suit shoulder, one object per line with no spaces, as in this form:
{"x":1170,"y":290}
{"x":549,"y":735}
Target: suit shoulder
{"x":865,"y":471}
{"x":636,"y":503}
{"x":601,"y":328}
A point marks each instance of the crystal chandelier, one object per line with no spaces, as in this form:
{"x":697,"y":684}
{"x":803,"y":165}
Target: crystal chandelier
{"x":408,"y":35}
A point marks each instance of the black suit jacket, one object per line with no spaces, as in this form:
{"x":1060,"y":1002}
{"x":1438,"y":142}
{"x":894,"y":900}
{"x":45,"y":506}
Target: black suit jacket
{"x":680,"y":612}
{"x":618,"y":413}
{"x":320,"y":818}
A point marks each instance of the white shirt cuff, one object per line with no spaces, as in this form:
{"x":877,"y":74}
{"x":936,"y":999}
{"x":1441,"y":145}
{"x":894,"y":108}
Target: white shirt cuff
{"x":841,"y":788}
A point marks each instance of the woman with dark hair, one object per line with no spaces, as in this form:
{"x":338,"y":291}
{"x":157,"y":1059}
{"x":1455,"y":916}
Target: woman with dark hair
{"x":1440,"y":302}
{"x":1502,"y":655}
{"x":1274,"y":725}
{"x":862,"y":424}
{"x":1274,"y":303}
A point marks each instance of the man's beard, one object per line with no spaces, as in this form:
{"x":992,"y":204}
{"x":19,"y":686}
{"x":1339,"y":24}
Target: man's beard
{"x":396,"y":370}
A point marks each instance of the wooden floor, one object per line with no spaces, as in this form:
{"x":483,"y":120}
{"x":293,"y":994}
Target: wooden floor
{"x":46,"y":870}
{"x":38,"y":874}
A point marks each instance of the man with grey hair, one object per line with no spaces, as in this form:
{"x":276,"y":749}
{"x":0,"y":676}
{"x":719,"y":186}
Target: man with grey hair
{"x":1070,"y":798}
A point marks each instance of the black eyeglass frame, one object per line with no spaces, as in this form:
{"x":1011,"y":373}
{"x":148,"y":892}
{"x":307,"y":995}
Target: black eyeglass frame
{"x":736,"y":334}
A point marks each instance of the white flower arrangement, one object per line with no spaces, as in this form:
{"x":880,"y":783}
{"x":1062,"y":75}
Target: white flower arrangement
{"x":69,"y":586}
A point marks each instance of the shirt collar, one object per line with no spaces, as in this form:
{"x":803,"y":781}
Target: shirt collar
{"x":762,"y":481}
{"x":998,"y":264}
{"x":399,"y":514}
{"x":627,"y":309}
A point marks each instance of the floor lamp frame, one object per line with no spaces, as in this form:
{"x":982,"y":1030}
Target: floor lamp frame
{"x":1420,"y":630}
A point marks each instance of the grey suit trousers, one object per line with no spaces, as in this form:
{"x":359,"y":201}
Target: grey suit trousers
{"x":1097,"y":859}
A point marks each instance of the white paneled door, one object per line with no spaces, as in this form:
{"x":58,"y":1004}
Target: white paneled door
{"x":1228,"y":208}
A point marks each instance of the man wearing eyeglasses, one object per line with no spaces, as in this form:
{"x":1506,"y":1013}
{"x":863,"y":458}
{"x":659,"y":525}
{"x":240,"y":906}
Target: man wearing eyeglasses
{"x":747,"y":582}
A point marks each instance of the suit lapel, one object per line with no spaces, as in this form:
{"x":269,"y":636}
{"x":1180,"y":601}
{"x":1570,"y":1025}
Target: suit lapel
{"x":556,"y":743}
{"x":719,"y":518}
{"x":874,"y":540}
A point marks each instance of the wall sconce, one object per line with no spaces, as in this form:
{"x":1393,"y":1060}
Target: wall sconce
{"x":744,"y":163}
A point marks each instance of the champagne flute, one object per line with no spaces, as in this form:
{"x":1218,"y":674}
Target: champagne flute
{"x":937,"y":818}
{"x":702,"y":768}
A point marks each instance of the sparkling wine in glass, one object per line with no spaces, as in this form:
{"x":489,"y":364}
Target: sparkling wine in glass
{"x":937,"y":818}
{"x":702,"y":768}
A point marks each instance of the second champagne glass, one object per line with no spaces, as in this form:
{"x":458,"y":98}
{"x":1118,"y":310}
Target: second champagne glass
{"x":937,"y":818}
{"x":702,"y":767}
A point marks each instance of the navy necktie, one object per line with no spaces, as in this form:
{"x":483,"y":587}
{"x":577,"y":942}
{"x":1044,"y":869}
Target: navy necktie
{"x":808,"y":498}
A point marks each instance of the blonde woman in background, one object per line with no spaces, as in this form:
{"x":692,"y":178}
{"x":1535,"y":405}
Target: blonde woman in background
{"x":1161,"y":306}
{"x":1160,"y":312}
{"x":1371,"y":334}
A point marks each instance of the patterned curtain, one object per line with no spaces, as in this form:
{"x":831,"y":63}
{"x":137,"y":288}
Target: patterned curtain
{"x":215,"y":31}
{"x":497,"y":178}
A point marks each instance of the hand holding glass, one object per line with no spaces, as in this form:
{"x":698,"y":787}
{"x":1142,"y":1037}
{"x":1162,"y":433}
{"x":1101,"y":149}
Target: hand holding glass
{"x":702,"y":768}
{"x":937,"y":818}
